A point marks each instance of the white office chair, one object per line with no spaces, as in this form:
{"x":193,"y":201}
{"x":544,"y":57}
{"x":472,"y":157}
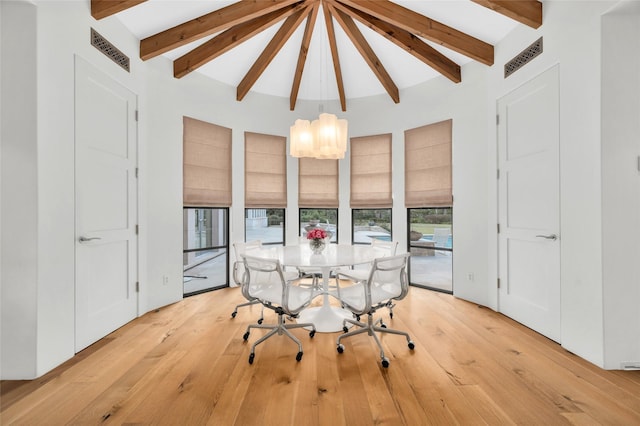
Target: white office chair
{"x":387,"y":282}
{"x":385,"y":249}
{"x":264,"y":281}
{"x":239,"y":272}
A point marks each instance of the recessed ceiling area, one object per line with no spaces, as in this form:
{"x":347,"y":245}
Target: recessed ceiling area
{"x":285,"y":48}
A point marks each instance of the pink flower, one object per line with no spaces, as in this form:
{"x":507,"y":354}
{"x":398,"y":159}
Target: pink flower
{"x":316,"y":233}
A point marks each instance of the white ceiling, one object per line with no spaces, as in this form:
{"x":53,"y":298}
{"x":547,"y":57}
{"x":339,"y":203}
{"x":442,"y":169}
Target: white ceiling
{"x":318,"y":81}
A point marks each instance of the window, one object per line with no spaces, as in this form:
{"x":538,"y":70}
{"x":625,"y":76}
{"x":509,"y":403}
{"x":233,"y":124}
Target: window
{"x":205,"y":249}
{"x":371,"y":172}
{"x":317,"y":183}
{"x":431,"y":248}
{"x":371,"y":192}
{"x":326,"y":219}
{"x":206,"y":198}
{"x":265,"y":171}
{"x":429,"y":200}
{"x":265,"y":187}
{"x":266,"y":225}
{"x":370,"y":224}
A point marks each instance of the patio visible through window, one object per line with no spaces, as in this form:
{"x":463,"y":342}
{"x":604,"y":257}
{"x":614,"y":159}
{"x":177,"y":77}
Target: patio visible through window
{"x":368,"y":224}
{"x":205,"y":249}
{"x":266,"y":225}
{"x":431,"y":247}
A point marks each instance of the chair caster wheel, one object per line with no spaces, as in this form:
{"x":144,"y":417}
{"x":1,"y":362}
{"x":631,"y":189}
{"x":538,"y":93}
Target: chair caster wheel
{"x":340,"y":348}
{"x":345,"y":329}
{"x":383,"y":325}
{"x":299,"y":356}
{"x":260,"y":321}
{"x":385,"y":362}
{"x":233,"y":314}
{"x":251,"y":356}
{"x":246,"y":336}
{"x":312,"y":333}
{"x":411,"y":345}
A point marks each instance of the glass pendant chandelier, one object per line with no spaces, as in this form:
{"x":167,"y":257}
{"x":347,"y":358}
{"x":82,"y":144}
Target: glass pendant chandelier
{"x":324,"y":138}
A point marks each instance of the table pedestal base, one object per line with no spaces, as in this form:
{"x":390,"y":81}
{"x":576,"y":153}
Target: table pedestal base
{"x":327,"y":319}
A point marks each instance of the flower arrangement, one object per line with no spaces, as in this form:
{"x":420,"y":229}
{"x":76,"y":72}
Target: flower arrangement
{"x":317,"y":234}
{"x":316,"y":239}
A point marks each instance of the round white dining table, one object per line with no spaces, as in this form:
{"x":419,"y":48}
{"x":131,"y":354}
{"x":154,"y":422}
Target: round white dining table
{"x":326,"y":318}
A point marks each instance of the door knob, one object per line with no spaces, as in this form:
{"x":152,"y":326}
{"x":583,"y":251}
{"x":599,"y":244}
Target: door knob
{"x":548,"y":237}
{"x":85,"y":239}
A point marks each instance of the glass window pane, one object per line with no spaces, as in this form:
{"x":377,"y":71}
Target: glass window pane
{"x":205,"y":247}
{"x":369,"y":224}
{"x":326,"y":219}
{"x":266,"y":225}
{"x":431,"y":247}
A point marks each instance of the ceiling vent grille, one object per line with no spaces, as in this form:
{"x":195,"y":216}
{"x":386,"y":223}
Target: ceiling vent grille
{"x":112,"y":52}
{"x":523,"y":58}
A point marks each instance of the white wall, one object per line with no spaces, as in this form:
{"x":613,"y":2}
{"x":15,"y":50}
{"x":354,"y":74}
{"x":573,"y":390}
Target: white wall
{"x":19,"y":184}
{"x":38,"y":323}
{"x":571,"y":33}
{"x":621,"y":183}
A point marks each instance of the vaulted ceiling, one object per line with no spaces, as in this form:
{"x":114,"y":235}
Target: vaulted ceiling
{"x":352,"y":33}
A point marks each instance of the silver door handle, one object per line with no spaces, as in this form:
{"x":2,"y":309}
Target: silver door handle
{"x":548,"y":237}
{"x":85,"y":239}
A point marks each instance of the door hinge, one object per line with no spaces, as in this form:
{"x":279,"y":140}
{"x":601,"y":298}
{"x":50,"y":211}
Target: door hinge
{"x":136,"y":115}
{"x":137,"y":286}
{"x":498,"y":228}
{"x":136,"y":172}
{"x":639,"y":163}
{"x":497,"y":174}
{"x":137,"y":229}
{"x":498,"y":282}
{"x":497,"y":119}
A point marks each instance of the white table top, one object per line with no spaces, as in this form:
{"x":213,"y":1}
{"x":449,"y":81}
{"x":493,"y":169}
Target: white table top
{"x":334,"y":255}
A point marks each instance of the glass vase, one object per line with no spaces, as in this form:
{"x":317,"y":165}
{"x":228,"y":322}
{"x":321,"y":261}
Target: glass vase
{"x":317,"y":245}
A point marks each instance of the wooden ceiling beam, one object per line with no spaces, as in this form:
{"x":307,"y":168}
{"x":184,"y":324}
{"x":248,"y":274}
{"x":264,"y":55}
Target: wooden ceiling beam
{"x":528,"y":12}
{"x":331,"y":34}
{"x":422,"y":26}
{"x":302,"y":56}
{"x":205,"y":25}
{"x":358,"y":40}
{"x":407,"y":41}
{"x":229,"y":39}
{"x":102,"y":8}
{"x":267,"y":55}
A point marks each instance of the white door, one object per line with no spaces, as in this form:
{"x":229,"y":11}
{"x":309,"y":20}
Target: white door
{"x":529,"y":204}
{"x":106,"y":204}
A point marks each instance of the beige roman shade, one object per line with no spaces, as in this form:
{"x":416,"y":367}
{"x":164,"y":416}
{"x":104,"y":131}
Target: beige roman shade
{"x":206,"y":164}
{"x":265,"y":171}
{"x":317,"y":183}
{"x":371,"y":172}
{"x":427,"y":165}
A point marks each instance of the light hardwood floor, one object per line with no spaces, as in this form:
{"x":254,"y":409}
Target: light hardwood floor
{"x":186,"y":364}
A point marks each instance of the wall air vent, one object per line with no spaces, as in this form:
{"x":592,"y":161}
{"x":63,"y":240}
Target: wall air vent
{"x":523,"y":58}
{"x":112,"y":52}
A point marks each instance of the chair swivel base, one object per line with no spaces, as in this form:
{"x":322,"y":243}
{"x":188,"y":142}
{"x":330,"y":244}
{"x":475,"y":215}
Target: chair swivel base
{"x":370,"y":328}
{"x":281,"y":329}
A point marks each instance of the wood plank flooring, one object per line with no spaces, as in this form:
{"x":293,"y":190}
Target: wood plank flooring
{"x":186,"y":364}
